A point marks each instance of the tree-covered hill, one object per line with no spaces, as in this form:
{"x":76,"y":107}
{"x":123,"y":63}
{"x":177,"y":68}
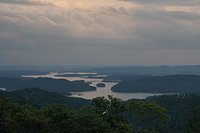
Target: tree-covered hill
{"x":160,"y":84}
{"x":54,"y":85}
{"x":39,"y":111}
{"x":180,"y":108}
{"x":101,"y":116}
{"x":39,"y":98}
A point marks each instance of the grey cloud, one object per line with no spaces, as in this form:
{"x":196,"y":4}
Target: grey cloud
{"x":160,"y":29}
{"x":80,"y":36}
{"x":26,"y":2}
{"x":183,"y":15}
{"x":118,"y":11}
{"x":166,"y":2}
{"x":48,"y":20}
{"x":171,"y":30}
{"x":166,"y":15}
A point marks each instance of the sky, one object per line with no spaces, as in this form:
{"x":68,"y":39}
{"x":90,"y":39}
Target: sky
{"x":99,"y":32}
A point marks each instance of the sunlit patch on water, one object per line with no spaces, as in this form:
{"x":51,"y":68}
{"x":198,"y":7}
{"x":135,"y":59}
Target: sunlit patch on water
{"x":100,"y":91}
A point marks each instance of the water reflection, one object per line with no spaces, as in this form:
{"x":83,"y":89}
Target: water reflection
{"x":100,"y":91}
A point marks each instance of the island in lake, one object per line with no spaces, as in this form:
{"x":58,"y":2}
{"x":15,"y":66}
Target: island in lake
{"x":100,"y":85}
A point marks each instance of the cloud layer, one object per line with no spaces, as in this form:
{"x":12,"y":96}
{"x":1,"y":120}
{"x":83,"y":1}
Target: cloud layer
{"x":74,"y":32}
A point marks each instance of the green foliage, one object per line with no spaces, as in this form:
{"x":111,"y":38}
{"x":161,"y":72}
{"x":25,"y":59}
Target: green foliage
{"x":31,"y":121}
{"x":179,"y":107}
{"x":194,"y":122}
{"x":17,"y":118}
{"x":109,"y":107}
{"x":91,"y":123}
{"x":144,"y":108}
{"x":147,"y":116}
{"x":100,"y":105}
{"x":59,"y":118}
{"x":112,"y":110}
{"x":39,"y":98}
{"x":104,"y":115}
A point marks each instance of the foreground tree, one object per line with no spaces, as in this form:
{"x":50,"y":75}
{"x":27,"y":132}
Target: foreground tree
{"x":104,"y":115}
{"x":63,"y":120}
{"x":90,"y":122}
{"x":59,"y":118}
{"x":150,"y":116}
{"x":112,"y":110}
{"x":194,"y":122}
{"x":16,"y":118}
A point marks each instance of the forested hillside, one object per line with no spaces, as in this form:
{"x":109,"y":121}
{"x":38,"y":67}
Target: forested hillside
{"x":40,"y":98}
{"x":101,"y":116}
{"x":40,"y":111}
{"x":160,"y":84}
{"x":180,"y":108}
{"x":54,"y":85}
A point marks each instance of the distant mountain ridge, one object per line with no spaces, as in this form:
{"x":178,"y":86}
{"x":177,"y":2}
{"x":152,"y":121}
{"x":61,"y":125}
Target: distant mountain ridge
{"x":106,"y":69}
{"x":150,"y":70}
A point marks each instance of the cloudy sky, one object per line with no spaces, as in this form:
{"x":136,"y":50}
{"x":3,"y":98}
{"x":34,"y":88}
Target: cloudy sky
{"x":99,"y":32}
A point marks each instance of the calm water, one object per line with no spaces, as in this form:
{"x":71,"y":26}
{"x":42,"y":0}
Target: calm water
{"x":101,"y":91}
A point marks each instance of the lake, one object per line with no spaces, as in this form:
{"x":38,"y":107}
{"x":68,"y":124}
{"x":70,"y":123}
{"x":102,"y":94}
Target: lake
{"x":94,"y":79}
